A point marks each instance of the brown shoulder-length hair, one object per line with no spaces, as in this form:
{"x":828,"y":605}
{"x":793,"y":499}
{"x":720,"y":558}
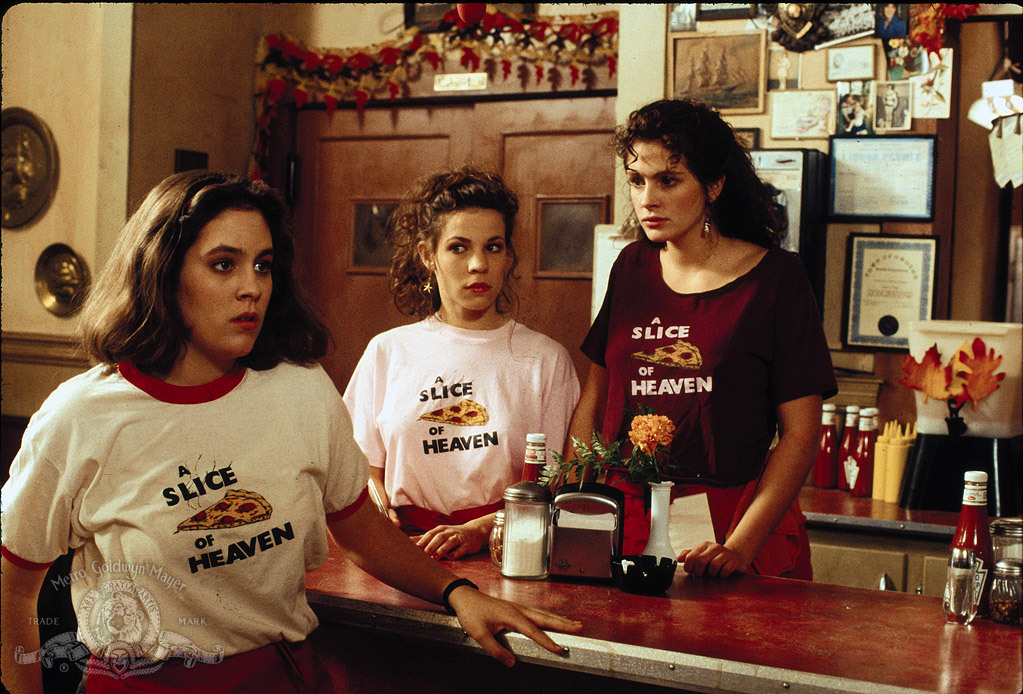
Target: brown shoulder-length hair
{"x":696,"y":136}
{"x":132,"y":313}
{"x":420,"y":217}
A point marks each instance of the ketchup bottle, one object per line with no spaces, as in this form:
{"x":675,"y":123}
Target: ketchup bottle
{"x":971,"y":554}
{"x":861,"y":473}
{"x":848,"y":445}
{"x":536,"y":457}
{"x":825,"y":469}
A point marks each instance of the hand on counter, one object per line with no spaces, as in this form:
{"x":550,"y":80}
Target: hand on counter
{"x":456,"y":541}
{"x":712,"y":559}
{"x":482,"y":616}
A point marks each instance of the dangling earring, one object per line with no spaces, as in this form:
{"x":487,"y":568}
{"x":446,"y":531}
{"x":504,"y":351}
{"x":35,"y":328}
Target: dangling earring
{"x":427,"y":286}
{"x":706,"y":226}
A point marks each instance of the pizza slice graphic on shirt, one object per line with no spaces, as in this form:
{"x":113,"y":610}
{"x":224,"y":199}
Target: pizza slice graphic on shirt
{"x":679,"y":355}
{"x":238,"y":507}
{"x":465,"y":414}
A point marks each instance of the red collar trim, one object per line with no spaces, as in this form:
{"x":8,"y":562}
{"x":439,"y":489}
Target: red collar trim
{"x":181,"y":395}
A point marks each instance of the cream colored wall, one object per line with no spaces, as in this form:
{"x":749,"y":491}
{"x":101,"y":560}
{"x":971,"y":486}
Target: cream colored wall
{"x":70,"y":65}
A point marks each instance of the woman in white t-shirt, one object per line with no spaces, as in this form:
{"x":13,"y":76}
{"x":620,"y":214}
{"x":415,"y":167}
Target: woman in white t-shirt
{"x":442,"y":407}
{"x":198,"y":468}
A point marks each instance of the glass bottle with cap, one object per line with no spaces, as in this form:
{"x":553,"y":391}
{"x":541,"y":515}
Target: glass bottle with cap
{"x":536,"y":457}
{"x":825,"y":468}
{"x":527,"y":531}
{"x":1007,"y":592}
{"x":1007,"y":539}
{"x":967,"y":587}
{"x":497,"y":539}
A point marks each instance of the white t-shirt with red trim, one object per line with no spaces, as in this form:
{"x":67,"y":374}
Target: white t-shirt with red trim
{"x":194,"y":512}
{"x":516,"y":381}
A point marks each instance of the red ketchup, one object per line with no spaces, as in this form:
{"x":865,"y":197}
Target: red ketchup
{"x":848,"y":445}
{"x":825,"y":470}
{"x":861,"y":473}
{"x":973,"y":536}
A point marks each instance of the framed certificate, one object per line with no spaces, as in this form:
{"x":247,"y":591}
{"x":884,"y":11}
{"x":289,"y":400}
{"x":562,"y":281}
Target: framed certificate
{"x":889,"y":281}
{"x":882,"y":177}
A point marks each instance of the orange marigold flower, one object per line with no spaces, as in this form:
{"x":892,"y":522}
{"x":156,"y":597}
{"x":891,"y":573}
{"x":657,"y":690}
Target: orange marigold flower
{"x":651,"y":430}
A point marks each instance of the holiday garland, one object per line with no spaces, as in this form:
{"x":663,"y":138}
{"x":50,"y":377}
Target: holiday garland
{"x":288,"y":72}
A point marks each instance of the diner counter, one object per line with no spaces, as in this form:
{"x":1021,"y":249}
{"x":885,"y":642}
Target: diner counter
{"x":833,"y":508}
{"x":741,"y":634}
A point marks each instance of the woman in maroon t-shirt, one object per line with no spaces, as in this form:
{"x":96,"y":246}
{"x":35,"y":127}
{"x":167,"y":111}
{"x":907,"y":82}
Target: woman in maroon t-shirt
{"x":707,"y":284}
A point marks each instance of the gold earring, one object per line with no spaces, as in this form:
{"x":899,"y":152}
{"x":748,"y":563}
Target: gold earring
{"x":706,"y":226}
{"x":427,"y":286}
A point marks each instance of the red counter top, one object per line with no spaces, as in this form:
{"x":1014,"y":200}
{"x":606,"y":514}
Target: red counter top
{"x":744,"y":633}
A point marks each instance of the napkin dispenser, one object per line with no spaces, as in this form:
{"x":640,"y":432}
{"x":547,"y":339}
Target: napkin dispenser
{"x":587,"y":525}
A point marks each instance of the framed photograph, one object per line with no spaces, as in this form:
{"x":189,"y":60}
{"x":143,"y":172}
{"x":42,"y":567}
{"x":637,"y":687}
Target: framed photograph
{"x":425,"y":15}
{"x":748,"y":137}
{"x":802,"y":115}
{"x":889,"y":281}
{"x":892,"y":21}
{"x":723,"y":10}
{"x":848,"y":21}
{"x":893,"y":106}
{"x":370,"y":251}
{"x":862,"y":187}
{"x":682,"y":16}
{"x":851,"y":63}
{"x":855,"y":108}
{"x":564,"y":244}
{"x":784,"y":69}
{"x":725,"y":71}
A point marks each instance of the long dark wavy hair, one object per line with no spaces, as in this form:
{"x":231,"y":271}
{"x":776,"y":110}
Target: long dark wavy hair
{"x":132,"y":312}
{"x":696,"y":136}
{"x":420,"y":217}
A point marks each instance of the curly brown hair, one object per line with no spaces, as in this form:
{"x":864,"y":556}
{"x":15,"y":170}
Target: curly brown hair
{"x":132,"y":313}
{"x":696,"y":135}
{"x":420,"y":217}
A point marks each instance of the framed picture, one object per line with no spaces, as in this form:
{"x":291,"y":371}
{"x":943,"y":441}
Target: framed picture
{"x":748,"y":137}
{"x":784,"y":69}
{"x":855,"y":108}
{"x":863,"y":188}
{"x":892,"y":21}
{"x":370,"y":251}
{"x":425,"y":15}
{"x":893,"y":106}
{"x":802,"y":114}
{"x":682,"y":16}
{"x":848,"y":21}
{"x":932,"y":92}
{"x":723,"y":10}
{"x":889,"y":281}
{"x":851,"y":63}
{"x":564,"y":244}
{"x":725,"y":71}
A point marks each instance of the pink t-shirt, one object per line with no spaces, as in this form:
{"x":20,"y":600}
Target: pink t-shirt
{"x":515,"y":380}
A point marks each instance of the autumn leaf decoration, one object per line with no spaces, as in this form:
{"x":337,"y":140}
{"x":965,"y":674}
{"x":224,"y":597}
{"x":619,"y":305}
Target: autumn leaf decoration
{"x":969,"y":375}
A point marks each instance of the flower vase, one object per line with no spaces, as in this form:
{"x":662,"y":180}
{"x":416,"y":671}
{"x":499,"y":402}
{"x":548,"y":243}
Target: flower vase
{"x":659,"y":544}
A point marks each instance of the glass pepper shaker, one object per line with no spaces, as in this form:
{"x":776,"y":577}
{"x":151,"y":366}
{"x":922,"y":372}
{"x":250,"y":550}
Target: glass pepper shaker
{"x":497,"y":539}
{"x":1007,"y":593}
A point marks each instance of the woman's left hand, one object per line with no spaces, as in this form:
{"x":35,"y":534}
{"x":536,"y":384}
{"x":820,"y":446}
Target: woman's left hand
{"x":482,"y":616}
{"x":714,"y":560}
{"x":454,"y":541}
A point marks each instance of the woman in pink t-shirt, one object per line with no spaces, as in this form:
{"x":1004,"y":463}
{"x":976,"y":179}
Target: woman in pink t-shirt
{"x":442,"y":407}
{"x":707,"y":280}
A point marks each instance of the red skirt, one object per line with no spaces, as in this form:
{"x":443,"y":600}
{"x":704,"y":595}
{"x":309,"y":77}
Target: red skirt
{"x":277,"y":668}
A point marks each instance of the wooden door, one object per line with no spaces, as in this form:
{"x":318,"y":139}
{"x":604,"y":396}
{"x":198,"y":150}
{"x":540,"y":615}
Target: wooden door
{"x":555,"y":154}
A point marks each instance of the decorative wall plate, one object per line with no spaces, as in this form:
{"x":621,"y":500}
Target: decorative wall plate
{"x":61,"y":279}
{"x":29,"y":167}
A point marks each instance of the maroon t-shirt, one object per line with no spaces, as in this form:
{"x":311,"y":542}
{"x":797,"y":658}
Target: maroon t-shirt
{"x":717,"y":363}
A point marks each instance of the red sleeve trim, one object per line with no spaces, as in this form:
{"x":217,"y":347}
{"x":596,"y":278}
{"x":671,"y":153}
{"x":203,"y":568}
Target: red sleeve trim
{"x":23,"y":563}
{"x":349,"y":510}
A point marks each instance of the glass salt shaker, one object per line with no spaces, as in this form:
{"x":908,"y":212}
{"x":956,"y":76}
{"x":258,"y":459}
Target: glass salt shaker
{"x":1007,"y":539}
{"x":1007,"y":593}
{"x":497,"y":539}
{"x":527,"y":531}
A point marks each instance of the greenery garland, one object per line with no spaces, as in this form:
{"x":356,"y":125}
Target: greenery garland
{"x":288,"y":72}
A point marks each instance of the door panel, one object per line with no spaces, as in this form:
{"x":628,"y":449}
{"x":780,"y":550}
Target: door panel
{"x":556,"y":148}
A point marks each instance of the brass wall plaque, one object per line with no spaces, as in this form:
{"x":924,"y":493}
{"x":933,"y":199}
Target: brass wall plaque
{"x":29,"y":167}
{"x":61,"y":279}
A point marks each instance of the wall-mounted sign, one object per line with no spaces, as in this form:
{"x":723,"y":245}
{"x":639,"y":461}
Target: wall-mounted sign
{"x":29,"y":167}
